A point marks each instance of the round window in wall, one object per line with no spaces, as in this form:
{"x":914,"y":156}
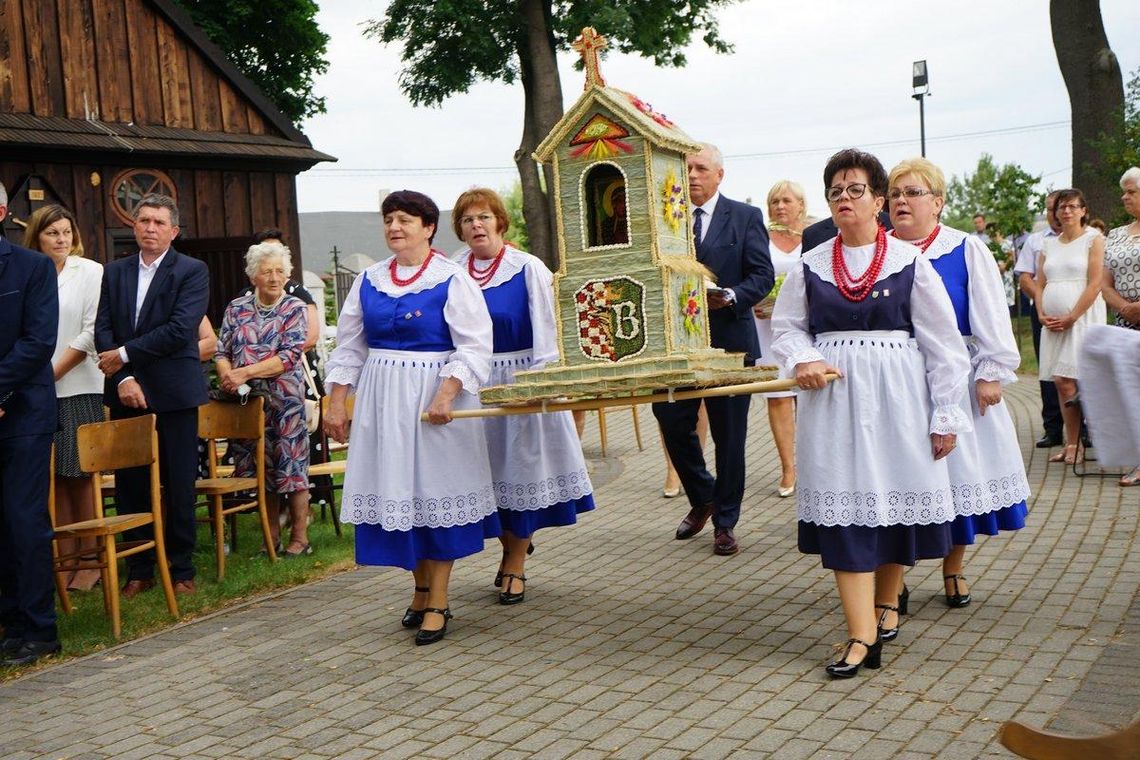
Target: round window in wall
{"x":131,"y":186}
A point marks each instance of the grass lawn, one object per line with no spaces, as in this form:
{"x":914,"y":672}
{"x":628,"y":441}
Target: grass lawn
{"x":1024,"y":334}
{"x":248,"y":574}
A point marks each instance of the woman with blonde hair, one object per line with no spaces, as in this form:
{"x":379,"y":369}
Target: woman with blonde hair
{"x":52,"y":230}
{"x":787,"y":216}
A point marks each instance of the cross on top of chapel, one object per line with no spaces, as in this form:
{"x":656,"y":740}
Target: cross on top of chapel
{"x":588,"y":45}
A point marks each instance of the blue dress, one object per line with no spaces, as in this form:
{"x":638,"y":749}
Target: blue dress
{"x":869,"y":491}
{"x":987,"y":472}
{"x":414,"y":490}
{"x":537,"y":464}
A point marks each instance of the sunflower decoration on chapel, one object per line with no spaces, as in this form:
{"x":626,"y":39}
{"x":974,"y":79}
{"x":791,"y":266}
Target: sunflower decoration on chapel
{"x":673,"y":194}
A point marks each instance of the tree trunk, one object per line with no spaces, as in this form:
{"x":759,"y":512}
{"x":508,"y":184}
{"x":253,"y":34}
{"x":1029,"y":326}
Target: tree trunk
{"x":542,"y":91}
{"x":1096,"y":94}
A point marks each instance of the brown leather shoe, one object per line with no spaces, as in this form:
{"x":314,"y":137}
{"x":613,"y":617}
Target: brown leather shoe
{"x":134,"y":588}
{"x":694,"y":522}
{"x":724,"y":542}
{"x":185,"y":587}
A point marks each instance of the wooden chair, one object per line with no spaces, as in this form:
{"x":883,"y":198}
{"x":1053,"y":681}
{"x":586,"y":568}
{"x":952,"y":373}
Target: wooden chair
{"x":1041,"y":745}
{"x":636,"y":426}
{"x":106,"y":446}
{"x":224,"y":495}
{"x":329,"y":466}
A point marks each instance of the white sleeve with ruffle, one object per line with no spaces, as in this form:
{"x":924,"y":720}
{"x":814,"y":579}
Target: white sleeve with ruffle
{"x":471,"y":333}
{"x":540,"y":297}
{"x":942,"y":347}
{"x":792,"y":343}
{"x":344,"y":364}
{"x":996,"y":356}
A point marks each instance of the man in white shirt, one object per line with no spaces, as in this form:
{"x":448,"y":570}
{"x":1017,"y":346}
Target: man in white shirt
{"x":1025,"y":270}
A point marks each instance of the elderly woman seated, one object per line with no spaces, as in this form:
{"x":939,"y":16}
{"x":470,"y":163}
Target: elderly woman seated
{"x":260,"y":344}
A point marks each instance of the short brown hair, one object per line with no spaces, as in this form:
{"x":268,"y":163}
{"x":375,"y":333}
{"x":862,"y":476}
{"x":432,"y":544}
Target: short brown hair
{"x":852,"y":158}
{"x":474,"y":197}
{"x":1071,"y":194}
{"x":46,"y":216}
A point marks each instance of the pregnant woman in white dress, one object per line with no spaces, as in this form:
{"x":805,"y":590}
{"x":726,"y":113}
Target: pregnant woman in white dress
{"x":1069,"y":273}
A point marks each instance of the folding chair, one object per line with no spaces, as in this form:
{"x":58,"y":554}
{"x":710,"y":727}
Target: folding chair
{"x":226,"y":496}
{"x":106,"y":446}
{"x":328,"y":466}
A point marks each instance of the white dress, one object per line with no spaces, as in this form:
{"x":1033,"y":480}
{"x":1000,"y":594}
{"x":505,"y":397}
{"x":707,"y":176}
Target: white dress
{"x":782,"y":263}
{"x":1066,"y":267}
{"x":537,"y":464}
{"x":869,"y":491}
{"x":414,"y":490}
{"x":987,"y":472}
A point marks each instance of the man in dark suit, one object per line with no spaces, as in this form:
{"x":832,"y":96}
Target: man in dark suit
{"x":732,"y":241}
{"x":29,"y":319}
{"x":146,"y":333}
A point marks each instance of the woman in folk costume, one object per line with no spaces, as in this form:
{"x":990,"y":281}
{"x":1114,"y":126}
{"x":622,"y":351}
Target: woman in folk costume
{"x":414,"y":335}
{"x":873,"y":491}
{"x":536,"y":459}
{"x":987,"y":473}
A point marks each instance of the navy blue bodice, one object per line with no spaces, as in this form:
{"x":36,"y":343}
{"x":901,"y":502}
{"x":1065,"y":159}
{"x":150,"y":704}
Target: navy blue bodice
{"x":887,"y":308}
{"x":951,"y":267}
{"x":410,"y":322}
{"x":510,"y":314}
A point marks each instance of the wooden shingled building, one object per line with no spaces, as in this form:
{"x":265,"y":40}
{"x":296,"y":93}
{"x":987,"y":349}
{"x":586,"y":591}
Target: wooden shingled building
{"x":103,"y":101}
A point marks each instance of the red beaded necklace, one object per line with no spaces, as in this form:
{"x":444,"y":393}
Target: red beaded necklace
{"x":419,"y":272}
{"x":482,"y":277}
{"x":852,"y":288}
{"x":925,"y":243}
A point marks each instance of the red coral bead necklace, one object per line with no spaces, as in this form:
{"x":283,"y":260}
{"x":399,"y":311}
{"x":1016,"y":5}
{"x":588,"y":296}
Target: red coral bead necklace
{"x":856,"y":289}
{"x":483,"y":276}
{"x":419,"y":272}
{"x":925,"y":243}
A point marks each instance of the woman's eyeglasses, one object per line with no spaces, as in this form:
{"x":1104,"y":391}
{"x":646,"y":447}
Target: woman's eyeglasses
{"x":467,"y":221}
{"x":854,"y":191}
{"x":908,"y":192}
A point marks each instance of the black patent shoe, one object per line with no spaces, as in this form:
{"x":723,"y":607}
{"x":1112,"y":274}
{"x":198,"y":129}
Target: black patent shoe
{"x":956,"y":599}
{"x":888,"y":634}
{"x":30,"y":652}
{"x":508,"y":596}
{"x":842,"y":669}
{"x":904,"y":600}
{"x":499,"y":575}
{"x":423,"y":638}
{"x":414,"y":618}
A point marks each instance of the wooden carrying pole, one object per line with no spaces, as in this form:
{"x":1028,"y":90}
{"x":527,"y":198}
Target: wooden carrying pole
{"x":767,"y":386}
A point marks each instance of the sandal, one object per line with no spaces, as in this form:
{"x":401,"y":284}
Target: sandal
{"x":499,"y":574}
{"x":1131,"y":479}
{"x":956,"y":600}
{"x":304,"y":551}
{"x":511,"y":597}
{"x":1068,"y":455}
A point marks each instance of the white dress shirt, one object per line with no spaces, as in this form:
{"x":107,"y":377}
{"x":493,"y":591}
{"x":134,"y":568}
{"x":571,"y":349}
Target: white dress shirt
{"x":146,"y":277}
{"x":707,"y":208}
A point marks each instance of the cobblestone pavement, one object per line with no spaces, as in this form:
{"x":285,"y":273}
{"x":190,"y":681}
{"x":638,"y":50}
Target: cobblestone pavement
{"x":632,"y":644}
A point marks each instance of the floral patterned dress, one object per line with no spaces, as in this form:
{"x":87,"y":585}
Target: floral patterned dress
{"x":251,"y":334}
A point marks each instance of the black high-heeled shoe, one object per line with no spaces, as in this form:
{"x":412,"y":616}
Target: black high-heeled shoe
{"x":888,"y":634}
{"x":423,"y":637}
{"x":413,"y":618}
{"x":510,"y":597}
{"x":956,"y":599}
{"x":499,"y":575}
{"x":904,"y":600}
{"x":842,"y":669}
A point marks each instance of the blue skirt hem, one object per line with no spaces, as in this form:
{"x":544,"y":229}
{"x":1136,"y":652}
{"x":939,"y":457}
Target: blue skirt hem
{"x":858,"y":549}
{"x":965,"y":528}
{"x":404,"y":548}
{"x":523,"y":523}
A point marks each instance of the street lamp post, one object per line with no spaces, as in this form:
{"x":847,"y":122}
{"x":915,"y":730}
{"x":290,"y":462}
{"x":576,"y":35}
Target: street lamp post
{"x":920,"y":84}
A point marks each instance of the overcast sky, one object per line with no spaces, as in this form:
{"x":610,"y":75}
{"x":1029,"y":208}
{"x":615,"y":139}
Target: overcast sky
{"x":806,"y":79}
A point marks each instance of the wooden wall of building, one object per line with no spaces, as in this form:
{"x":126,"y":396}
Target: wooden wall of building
{"x":112,"y":60}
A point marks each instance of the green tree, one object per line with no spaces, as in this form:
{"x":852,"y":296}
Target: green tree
{"x":444,"y":53}
{"x":1120,"y":150}
{"x":276,"y":43}
{"x":1006,"y":194}
{"x":513,"y":200}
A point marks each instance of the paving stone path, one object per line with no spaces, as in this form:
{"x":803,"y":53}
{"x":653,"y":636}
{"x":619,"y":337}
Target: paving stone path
{"x":632,"y":644}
